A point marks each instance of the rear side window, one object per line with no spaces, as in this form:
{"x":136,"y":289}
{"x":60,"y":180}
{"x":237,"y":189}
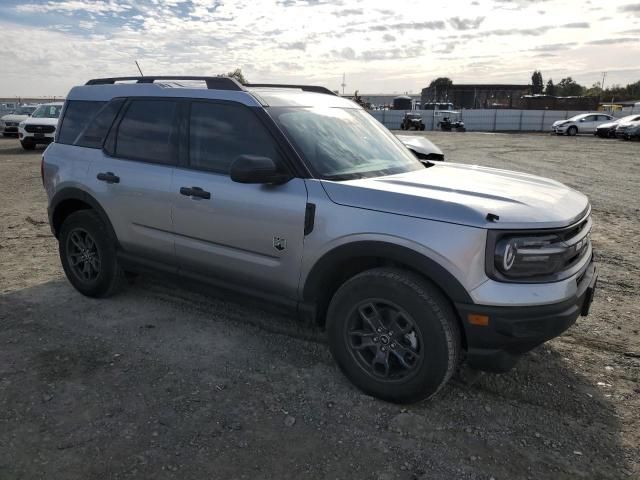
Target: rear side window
{"x":148,"y":132}
{"x":77,"y":116}
{"x":93,"y":135}
{"x":220,"y":133}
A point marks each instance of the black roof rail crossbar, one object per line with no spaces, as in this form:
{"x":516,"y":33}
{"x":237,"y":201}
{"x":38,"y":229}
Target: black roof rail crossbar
{"x":214,"y":83}
{"x":306,"y":88}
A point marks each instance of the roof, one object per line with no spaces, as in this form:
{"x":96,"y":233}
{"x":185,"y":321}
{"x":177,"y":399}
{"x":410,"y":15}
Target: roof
{"x":215,"y":88}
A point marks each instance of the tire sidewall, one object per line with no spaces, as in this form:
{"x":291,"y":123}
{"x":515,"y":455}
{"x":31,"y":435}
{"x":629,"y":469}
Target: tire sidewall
{"x":105,"y":247}
{"x":428,"y":319}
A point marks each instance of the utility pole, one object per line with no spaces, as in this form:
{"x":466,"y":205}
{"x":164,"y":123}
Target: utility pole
{"x":343,"y":84}
{"x":604,"y":75}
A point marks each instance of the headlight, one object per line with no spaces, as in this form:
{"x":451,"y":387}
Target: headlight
{"x":518,"y":257}
{"x":536,"y":256}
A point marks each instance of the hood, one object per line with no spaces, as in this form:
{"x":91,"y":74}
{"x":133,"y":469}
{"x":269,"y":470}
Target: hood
{"x":419,"y":144}
{"x":465,"y":194}
{"x":41,"y":121}
{"x":560,"y":122}
{"x":13,"y":118}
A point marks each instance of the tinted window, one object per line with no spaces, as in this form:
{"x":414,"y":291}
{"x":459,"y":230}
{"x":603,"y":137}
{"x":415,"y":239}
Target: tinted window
{"x":147,"y":131}
{"x":94,"y":134}
{"x":77,"y":116}
{"x":220,"y":133}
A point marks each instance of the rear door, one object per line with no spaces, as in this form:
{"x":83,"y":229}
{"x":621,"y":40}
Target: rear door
{"x":131,"y":178}
{"x":246,"y":235}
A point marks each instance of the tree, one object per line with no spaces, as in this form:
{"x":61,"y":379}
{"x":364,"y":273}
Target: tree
{"x":568,"y":87}
{"x":537,"y":84}
{"x":551,"y":88}
{"x":440,"y":88}
{"x":237,"y":74}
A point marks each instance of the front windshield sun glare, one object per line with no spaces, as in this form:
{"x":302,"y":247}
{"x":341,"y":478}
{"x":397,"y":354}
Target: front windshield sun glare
{"x":47,"y":111}
{"x":344,"y":143}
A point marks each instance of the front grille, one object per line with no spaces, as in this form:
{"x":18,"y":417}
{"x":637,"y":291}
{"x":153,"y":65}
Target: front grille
{"x":578,"y":239}
{"x":40,"y":128}
{"x":11,"y":124}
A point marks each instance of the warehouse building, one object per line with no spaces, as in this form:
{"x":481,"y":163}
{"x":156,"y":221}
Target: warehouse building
{"x":477,"y":95}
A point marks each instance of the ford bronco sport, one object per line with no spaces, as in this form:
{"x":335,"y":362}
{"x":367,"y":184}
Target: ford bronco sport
{"x":299,"y":197}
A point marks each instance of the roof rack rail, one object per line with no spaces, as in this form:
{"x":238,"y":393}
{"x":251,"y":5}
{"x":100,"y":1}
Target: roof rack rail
{"x":306,"y":88}
{"x":214,"y":83}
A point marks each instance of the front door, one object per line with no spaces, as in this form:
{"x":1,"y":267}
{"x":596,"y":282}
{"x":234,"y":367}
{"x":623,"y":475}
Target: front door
{"x":247,"y":235}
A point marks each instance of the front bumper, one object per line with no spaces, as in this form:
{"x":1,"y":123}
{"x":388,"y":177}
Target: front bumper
{"x":512,"y":331}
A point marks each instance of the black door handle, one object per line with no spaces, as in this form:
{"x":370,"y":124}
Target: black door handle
{"x":108,"y":177}
{"x":195,"y":192}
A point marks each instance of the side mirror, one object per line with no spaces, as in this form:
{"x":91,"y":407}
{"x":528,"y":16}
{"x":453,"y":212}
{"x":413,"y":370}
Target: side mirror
{"x":582,"y":119}
{"x":254,"y":169}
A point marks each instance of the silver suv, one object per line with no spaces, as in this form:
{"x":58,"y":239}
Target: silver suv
{"x":299,"y":197}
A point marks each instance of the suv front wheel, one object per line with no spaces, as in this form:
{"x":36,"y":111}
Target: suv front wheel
{"x":393,"y":334}
{"x":88,"y":255}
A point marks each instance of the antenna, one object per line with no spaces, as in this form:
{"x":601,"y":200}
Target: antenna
{"x":343,"y":84}
{"x":139,"y":69}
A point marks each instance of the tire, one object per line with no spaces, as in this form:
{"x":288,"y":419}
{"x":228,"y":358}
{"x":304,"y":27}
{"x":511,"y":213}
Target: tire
{"x":420,"y":356}
{"x":27,"y":145}
{"x":100,"y":276}
{"x":421,"y":128}
{"x":572,"y":131}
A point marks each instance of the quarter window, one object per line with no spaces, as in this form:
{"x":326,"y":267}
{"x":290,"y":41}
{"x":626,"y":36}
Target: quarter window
{"x":148,"y":132}
{"x":220,"y":133}
{"x":93,"y":136}
{"x":77,"y":116}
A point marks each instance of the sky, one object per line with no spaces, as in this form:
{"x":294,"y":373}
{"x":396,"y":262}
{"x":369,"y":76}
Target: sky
{"x":381,"y":46}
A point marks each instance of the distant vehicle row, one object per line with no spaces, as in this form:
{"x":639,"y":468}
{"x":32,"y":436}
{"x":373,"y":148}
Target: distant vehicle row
{"x":599,"y":124}
{"x":32,"y":124}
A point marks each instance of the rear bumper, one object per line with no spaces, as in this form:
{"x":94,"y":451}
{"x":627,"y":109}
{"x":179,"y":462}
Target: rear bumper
{"x":512,"y":331}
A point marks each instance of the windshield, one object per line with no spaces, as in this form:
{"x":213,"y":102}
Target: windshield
{"x":576,"y":117}
{"x":25,"y":110}
{"x":47,"y":111}
{"x":344,"y":144}
{"x":414,"y":115}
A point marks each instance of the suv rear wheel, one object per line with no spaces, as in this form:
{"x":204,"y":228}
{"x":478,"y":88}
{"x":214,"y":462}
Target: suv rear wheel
{"x":393,"y":334}
{"x":88,"y":255}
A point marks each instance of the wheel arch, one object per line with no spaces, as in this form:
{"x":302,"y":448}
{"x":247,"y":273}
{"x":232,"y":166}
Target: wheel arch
{"x":70,"y":200}
{"x":345,"y":261}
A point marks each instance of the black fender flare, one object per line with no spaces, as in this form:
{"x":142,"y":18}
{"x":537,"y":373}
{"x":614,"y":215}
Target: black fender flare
{"x":74,"y":193}
{"x":432,"y":270}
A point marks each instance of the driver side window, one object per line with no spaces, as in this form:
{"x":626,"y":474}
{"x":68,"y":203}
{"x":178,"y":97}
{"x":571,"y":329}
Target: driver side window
{"x":219,"y":133}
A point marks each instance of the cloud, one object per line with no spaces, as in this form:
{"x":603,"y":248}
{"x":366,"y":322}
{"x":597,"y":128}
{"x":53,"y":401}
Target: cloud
{"x":347,"y":12}
{"x":576,"y":25}
{"x":465,"y":23}
{"x":388,"y":37}
{"x":612,"y":41}
{"x":553,"y":47}
{"x":293,"y":46}
{"x":633,"y":8}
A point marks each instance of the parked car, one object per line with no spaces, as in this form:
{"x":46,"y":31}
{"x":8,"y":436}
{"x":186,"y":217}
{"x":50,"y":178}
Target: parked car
{"x":40,"y":127}
{"x":421,"y":147}
{"x":297,"y":196}
{"x":623,"y":130}
{"x":412,"y":121}
{"x":583,"y":123}
{"x":608,"y":130}
{"x":9,"y":123}
{"x":633,"y":132}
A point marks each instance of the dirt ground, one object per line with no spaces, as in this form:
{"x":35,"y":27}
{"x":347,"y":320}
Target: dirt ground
{"x":170,"y":381}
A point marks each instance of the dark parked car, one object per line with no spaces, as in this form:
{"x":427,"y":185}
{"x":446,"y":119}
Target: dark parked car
{"x":632,"y":131}
{"x":608,"y":130}
{"x":412,"y":121}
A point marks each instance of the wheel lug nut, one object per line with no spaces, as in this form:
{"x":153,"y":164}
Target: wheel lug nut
{"x":393,"y":345}
{"x":379,"y":330}
{"x":375,"y":339}
{"x":384,"y":349}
